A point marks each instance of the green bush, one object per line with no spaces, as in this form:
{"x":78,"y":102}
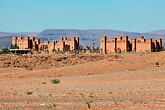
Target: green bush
{"x":14,"y":46}
{"x":55,"y":81}
{"x":29,"y":92}
{"x":38,"y":52}
{"x":5,"y":51}
{"x":48,"y":51}
{"x":1,"y":52}
{"x":45,"y":46}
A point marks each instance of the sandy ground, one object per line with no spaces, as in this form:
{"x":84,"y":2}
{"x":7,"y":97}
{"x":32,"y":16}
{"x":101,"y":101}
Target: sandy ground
{"x":121,"y":81}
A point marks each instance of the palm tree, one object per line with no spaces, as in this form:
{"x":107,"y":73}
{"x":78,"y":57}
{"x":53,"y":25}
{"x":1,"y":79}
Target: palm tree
{"x":87,"y":47}
{"x":93,"y":47}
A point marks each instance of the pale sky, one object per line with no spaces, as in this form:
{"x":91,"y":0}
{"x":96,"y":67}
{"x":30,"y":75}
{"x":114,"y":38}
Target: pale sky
{"x":124,"y":15}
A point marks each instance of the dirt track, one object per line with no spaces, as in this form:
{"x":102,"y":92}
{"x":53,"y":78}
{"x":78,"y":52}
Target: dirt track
{"x":123,"y":81}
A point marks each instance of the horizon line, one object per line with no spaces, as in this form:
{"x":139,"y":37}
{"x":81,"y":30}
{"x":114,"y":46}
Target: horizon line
{"x":79,"y":30}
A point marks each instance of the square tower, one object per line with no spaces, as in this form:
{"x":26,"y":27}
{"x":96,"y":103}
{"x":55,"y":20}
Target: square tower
{"x":103,"y":44}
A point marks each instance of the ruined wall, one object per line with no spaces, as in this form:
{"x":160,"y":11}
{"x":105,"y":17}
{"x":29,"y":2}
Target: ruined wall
{"x":73,"y":43}
{"x":159,"y":41}
{"x":14,"y":40}
{"x":155,"y":45}
{"x":60,"y":46}
{"x":46,"y":42}
{"x":122,"y":43}
{"x":51,"y":46}
{"x":111,"y":45}
{"x":103,"y":44}
{"x":145,"y":46}
{"x":37,"y":41}
{"x":22,"y":43}
{"x":77,"y":43}
{"x":32,"y":43}
{"x":131,"y":44}
{"x":26,"y":43}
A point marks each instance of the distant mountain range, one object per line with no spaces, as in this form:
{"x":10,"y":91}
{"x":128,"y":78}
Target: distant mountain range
{"x":87,"y":37}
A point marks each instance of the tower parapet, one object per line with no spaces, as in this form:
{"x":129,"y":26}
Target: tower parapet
{"x":125,"y":44}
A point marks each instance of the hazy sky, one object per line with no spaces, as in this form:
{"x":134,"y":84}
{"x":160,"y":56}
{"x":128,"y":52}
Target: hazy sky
{"x":125,"y":15}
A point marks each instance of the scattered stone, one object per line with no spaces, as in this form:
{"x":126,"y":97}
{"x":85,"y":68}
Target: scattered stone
{"x":157,"y":64}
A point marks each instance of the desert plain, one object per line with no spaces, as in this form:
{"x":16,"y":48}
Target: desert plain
{"x":132,"y":81}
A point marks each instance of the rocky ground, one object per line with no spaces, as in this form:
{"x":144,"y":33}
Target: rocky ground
{"x":103,"y":82}
{"x":33,"y":62}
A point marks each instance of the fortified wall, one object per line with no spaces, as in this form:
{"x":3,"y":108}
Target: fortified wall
{"x":26,"y":43}
{"x":126,"y":44}
{"x":32,"y":43}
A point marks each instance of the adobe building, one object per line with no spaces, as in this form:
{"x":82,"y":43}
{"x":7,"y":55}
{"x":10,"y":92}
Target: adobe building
{"x":35,"y":45}
{"x":64,"y":44}
{"x":149,"y":45}
{"x":125,"y":44}
{"x":26,"y":43}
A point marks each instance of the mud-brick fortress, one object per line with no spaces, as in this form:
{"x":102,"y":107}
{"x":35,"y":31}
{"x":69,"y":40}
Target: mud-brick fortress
{"x":35,"y":45}
{"x":125,"y":44}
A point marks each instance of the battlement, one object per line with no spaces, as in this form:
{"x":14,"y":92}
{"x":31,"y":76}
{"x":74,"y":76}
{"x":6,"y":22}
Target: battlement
{"x":140,"y":37}
{"x":19,"y":38}
{"x":125,"y":44}
{"x":46,"y":42}
{"x":31,"y":43}
{"x":112,"y":39}
{"x":25,"y":43}
{"x":37,"y":41}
